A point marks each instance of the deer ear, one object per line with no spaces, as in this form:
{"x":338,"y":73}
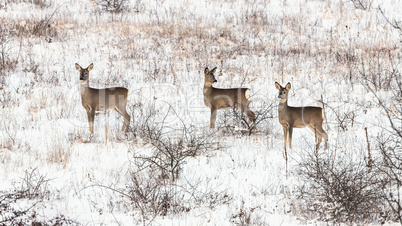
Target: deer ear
{"x":213,"y":70}
{"x":278,"y":87}
{"x":288,"y":86}
{"x":90,"y":67}
{"x":78,"y":67}
{"x":206,"y":70}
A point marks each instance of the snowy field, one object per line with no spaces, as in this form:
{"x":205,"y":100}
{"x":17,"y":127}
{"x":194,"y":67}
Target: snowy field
{"x":332,"y":52}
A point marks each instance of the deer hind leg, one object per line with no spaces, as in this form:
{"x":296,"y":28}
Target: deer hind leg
{"x":122,"y":111}
{"x":127,"y":121}
{"x":319,"y":134}
{"x":250,"y":114}
{"x":319,"y":139}
{"x":322,"y":133}
{"x":214,"y":112}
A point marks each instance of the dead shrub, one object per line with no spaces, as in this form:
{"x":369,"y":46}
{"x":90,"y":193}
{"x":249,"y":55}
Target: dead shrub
{"x":19,"y":206}
{"x":34,"y":185}
{"x":114,"y":6}
{"x":389,"y":163}
{"x":150,"y":194}
{"x":39,"y":3}
{"x":340,"y":190}
{"x":236,"y":122}
{"x":8,"y":61}
{"x":243,"y":216}
{"x":170,"y":148}
{"x":363,"y":4}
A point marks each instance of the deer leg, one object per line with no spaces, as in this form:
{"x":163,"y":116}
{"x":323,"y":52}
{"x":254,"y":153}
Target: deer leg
{"x":322,"y":133}
{"x":122,"y":111}
{"x":91,"y":117}
{"x":290,"y":136}
{"x":285,"y":136}
{"x":214,"y":111}
{"x":251,"y":116}
{"x":317,"y":136}
{"x":127,"y":121}
{"x":319,"y":139}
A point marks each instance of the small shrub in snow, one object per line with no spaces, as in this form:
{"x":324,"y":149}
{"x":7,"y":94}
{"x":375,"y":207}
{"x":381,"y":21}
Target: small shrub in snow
{"x":8,"y":62}
{"x":34,"y":185}
{"x":389,"y":163}
{"x":235,"y":122}
{"x":149,"y":194}
{"x":40,"y":3}
{"x":115,"y":6}
{"x":171,"y":146}
{"x":20,"y":206}
{"x":340,"y":190}
{"x":363,"y":4}
{"x":345,"y":117}
{"x":171,"y":150}
{"x":242,"y":217}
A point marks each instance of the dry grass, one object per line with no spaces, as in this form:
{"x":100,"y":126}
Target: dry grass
{"x":59,"y":154}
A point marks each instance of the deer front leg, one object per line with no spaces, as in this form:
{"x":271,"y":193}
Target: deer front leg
{"x":290,"y":136}
{"x":214,"y":111}
{"x":285,"y":136}
{"x":91,"y":118}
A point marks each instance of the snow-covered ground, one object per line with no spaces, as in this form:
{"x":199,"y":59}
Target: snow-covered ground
{"x":158,"y":50}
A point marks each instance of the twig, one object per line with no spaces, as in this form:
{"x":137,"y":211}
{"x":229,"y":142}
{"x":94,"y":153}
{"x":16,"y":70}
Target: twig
{"x":370,"y":160}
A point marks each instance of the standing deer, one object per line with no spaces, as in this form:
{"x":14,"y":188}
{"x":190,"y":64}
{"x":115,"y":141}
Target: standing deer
{"x":102,"y":99}
{"x":299,"y":117}
{"x":225,"y":98}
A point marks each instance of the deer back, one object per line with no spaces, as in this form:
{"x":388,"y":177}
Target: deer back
{"x":226,"y":98}
{"x":300,"y":117}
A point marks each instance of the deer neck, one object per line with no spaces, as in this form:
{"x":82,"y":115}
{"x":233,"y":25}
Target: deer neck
{"x":84,"y":86}
{"x":283,"y":104}
{"x":207,"y":89}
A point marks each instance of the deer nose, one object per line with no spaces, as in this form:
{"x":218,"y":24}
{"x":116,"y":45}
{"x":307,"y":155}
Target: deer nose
{"x":215,"y":80}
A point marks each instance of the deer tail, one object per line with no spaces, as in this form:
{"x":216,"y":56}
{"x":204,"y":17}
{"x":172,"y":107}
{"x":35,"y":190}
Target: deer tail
{"x":247,"y":94}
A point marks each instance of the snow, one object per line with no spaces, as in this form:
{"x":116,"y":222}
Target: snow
{"x":158,"y":50}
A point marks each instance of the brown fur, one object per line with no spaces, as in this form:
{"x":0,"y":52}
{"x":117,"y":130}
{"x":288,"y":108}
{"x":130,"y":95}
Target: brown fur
{"x":102,"y":99}
{"x":299,"y":117}
{"x":216,"y":99}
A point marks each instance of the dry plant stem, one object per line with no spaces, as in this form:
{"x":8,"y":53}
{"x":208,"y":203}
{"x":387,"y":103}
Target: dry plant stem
{"x":370,"y":160}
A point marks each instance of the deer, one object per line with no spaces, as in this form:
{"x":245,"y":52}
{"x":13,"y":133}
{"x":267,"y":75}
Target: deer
{"x":299,"y":117}
{"x":102,"y":99}
{"x":216,"y":99}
